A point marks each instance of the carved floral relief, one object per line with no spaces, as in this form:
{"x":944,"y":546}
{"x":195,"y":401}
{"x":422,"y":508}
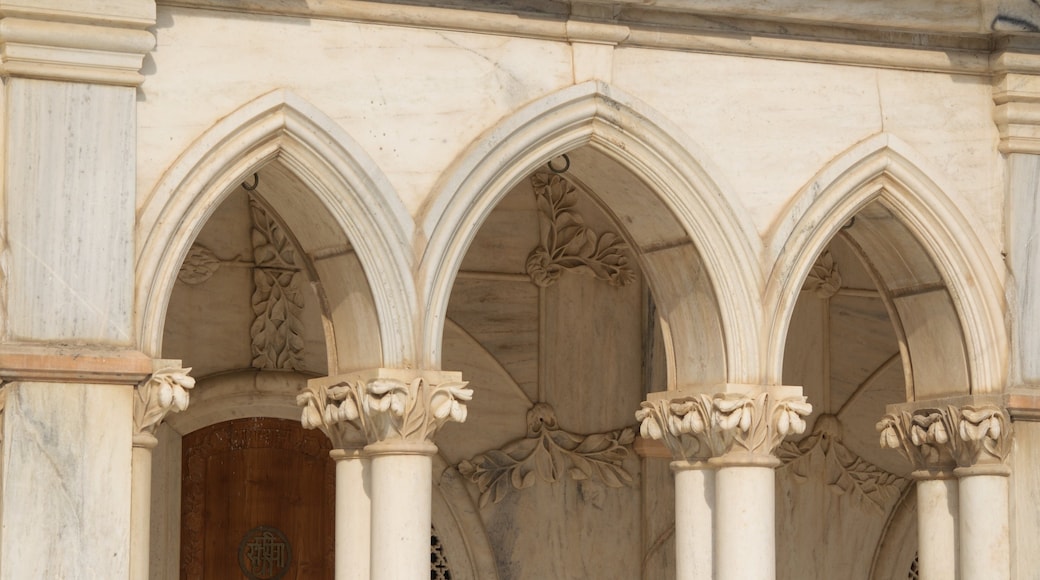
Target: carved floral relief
{"x":277,"y":329}
{"x":165,"y":392}
{"x":567,"y":243}
{"x":938,"y":437}
{"x":823,"y":453}
{"x":549,"y":454}
{"x":824,"y":280}
{"x":705,"y":426}
{"x":382,"y":409}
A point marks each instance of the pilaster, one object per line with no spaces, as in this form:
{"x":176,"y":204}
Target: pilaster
{"x":66,"y":416}
{"x":164,"y":392}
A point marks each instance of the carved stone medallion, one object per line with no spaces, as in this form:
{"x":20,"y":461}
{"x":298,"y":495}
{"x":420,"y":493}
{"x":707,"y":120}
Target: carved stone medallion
{"x":264,"y":554}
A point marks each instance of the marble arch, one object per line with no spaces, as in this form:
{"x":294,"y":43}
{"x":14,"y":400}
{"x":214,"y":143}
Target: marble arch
{"x":350,"y":200}
{"x":887,"y":170}
{"x":632,"y":135}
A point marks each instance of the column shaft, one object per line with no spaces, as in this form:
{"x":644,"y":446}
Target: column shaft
{"x":694,"y":509}
{"x":401,"y":502}
{"x":937,"y":507}
{"x":745,"y":542}
{"x":985,"y":552}
{"x":353,"y":515}
{"x":141,"y":505}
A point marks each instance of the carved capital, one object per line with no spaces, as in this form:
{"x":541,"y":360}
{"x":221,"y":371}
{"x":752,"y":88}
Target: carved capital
{"x":162,"y":393}
{"x":937,"y":437}
{"x":703,"y":426}
{"x":384,"y":405}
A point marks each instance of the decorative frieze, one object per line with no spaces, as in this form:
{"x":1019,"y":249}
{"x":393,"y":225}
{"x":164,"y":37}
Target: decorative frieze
{"x":164,"y":392}
{"x":384,"y":408}
{"x":939,"y":437}
{"x":703,"y":426}
{"x":824,"y":454}
{"x":567,"y":243}
{"x":549,"y":454}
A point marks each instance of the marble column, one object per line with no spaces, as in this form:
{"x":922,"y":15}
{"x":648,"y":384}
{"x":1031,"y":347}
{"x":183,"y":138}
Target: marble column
{"x":397,"y":412}
{"x":353,"y":512}
{"x":958,"y":448}
{"x":165,"y":392}
{"x":723,"y":440}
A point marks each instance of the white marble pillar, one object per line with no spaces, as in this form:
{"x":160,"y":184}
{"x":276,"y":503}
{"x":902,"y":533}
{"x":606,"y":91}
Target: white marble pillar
{"x":141,"y":505}
{"x":937,"y":506}
{"x":397,"y":411}
{"x":985,"y":542}
{"x":745,"y":512}
{"x":694,"y":519}
{"x":164,"y":392}
{"x":401,"y":508}
{"x":963,"y":517}
{"x":734,"y":429}
{"x":353,"y":513}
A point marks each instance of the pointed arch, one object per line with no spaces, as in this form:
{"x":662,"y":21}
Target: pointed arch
{"x":642,"y":141}
{"x":885,"y":169}
{"x":348,"y":186}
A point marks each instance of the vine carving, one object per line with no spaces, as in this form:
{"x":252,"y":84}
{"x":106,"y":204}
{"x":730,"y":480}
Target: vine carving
{"x":567,"y":243}
{"x":549,"y":454}
{"x":845,"y":472}
{"x":277,"y":329}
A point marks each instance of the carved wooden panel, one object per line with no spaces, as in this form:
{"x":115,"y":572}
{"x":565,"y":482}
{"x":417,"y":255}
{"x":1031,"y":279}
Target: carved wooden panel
{"x":258,"y":500}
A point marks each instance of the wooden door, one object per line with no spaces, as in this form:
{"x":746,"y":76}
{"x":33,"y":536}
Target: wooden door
{"x":257,"y":502}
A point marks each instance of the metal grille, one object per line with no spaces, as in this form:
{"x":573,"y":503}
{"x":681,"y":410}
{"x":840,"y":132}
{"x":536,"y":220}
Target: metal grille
{"x":439,"y":569}
{"x":913,"y":575}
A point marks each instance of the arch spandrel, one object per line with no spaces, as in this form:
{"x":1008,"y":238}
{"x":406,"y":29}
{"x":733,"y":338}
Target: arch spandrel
{"x":627,"y":133}
{"x":923,"y":246}
{"x":345,"y":195}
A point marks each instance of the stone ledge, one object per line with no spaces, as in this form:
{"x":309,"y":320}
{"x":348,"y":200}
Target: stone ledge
{"x":73,"y":364}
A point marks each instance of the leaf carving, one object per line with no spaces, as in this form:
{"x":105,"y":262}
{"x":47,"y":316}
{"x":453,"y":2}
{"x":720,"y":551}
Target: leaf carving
{"x":844,"y":472}
{"x":550,"y":454}
{"x":567,"y":243}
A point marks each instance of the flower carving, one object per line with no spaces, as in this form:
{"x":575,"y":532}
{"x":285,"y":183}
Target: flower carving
{"x":383,"y":408}
{"x":704,"y":426}
{"x":164,"y":392}
{"x":567,"y":243}
{"x":934,"y":438}
{"x":824,"y":280}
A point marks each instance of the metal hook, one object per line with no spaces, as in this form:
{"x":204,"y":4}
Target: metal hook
{"x":256,"y":182}
{"x":852,"y":222}
{"x":566,"y":165}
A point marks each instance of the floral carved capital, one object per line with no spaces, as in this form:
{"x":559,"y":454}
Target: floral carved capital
{"x":700,"y":427}
{"x":164,"y":392}
{"x":383,"y":409}
{"x":936,"y":438}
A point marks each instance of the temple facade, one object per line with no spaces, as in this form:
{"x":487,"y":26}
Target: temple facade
{"x":515,"y":290}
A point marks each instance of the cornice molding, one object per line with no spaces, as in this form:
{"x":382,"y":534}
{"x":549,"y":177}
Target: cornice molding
{"x":38,"y":48}
{"x":922,"y":46}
